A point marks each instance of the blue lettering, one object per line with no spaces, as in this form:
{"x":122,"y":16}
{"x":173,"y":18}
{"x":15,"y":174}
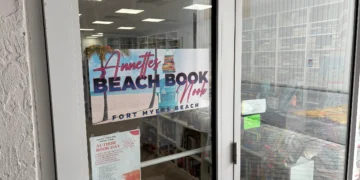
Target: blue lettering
{"x":138,"y":83}
{"x":129,"y":83}
{"x":169,"y":79}
{"x":100,"y":85}
{"x":113,"y":83}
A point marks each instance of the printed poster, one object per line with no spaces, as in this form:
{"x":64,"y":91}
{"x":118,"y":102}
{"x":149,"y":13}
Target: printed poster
{"x":116,"y":156}
{"x":135,"y":83}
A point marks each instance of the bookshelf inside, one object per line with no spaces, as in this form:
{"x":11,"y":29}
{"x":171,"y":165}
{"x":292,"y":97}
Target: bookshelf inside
{"x":177,"y":132}
{"x":167,"y":40}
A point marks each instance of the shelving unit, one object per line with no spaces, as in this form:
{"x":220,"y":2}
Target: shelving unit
{"x":279,"y":39}
{"x":121,"y":42}
{"x":180,"y":132}
{"x":168,"y":40}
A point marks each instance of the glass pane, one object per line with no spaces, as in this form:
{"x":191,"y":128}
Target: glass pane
{"x":356,"y":165}
{"x":296,"y":63}
{"x":147,"y":88}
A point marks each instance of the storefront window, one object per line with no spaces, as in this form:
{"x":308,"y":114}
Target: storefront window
{"x":295,"y":85}
{"x":146,"y":67}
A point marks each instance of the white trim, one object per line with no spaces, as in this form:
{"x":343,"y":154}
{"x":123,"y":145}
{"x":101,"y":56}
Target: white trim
{"x":67,"y":93}
{"x":40,"y":90}
{"x":354,"y":124}
{"x":225,"y":88}
{"x":355,"y":102}
{"x":237,"y":98}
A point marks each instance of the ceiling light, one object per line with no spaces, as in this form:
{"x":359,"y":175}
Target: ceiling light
{"x":103,"y":22}
{"x":95,"y":0}
{"x":129,"y":11}
{"x":87,"y":29}
{"x":91,"y":37}
{"x":79,"y":14}
{"x":198,"y":7}
{"x":97,"y":35}
{"x":127,"y":28}
{"x":100,"y":33}
{"x":153,"y":20}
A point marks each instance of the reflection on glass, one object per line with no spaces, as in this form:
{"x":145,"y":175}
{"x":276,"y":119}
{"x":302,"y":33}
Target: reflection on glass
{"x":296,"y":55}
{"x":173,"y":115}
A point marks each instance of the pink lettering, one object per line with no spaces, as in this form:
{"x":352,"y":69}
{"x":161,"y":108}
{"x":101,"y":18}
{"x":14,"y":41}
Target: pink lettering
{"x":142,"y":65}
{"x":188,"y":89}
{"x":128,"y":66}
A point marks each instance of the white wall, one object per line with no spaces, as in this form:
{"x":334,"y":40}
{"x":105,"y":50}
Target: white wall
{"x":24,"y":95}
{"x":17,"y":154}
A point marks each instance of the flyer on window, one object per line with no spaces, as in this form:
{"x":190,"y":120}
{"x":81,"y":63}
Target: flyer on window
{"x":135,"y":83}
{"x":116,"y":156}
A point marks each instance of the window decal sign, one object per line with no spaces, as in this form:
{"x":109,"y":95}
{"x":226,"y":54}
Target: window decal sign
{"x":252,"y":121}
{"x":116,"y":156}
{"x":253,"y":106}
{"x":135,"y":83}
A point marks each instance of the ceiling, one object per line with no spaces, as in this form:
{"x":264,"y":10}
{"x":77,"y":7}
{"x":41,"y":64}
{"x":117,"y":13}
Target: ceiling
{"x":170,"y":10}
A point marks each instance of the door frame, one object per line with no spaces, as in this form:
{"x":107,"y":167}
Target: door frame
{"x":61,"y":21}
{"x":225,"y":88}
{"x":354,"y":116}
{"x":237,"y":86}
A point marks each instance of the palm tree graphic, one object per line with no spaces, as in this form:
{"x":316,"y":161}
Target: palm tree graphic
{"x":101,"y":51}
{"x":154,"y":88}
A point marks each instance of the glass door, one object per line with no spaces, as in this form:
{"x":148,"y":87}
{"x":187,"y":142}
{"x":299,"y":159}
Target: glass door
{"x":147,"y":69}
{"x":294,"y":70}
{"x":133,"y":89}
